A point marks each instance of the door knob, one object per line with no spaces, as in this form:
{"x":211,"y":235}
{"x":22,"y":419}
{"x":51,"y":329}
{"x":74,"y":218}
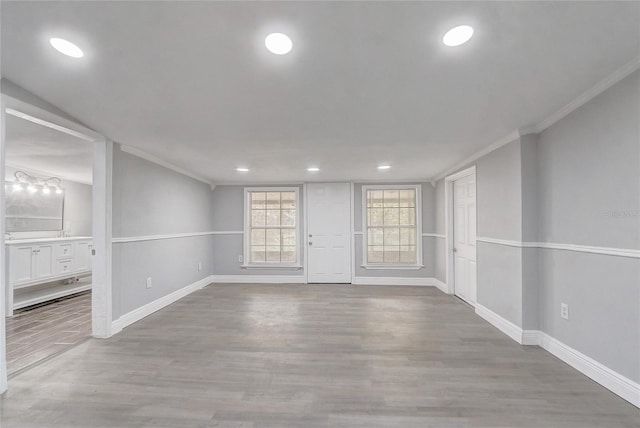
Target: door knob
{"x":310,"y":236}
{"x":310,"y":243}
{"x":455,"y":250}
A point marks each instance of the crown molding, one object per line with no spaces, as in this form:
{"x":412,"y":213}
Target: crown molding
{"x":510,"y":137}
{"x":151,"y":158}
{"x":584,"y":98}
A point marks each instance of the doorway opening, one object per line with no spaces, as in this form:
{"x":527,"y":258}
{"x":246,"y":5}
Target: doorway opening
{"x":54,"y":236}
{"x":48,"y":203}
{"x":460,"y":214}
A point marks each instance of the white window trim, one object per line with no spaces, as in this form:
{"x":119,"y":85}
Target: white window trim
{"x":365,"y":230}
{"x":247,"y":227}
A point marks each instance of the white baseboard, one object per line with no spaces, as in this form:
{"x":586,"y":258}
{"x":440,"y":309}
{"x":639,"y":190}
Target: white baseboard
{"x":502,"y":324}
{"x":441,"y":285}
{"x":530,"y":337}
{"x":146,"y":310}
{"x":392,"y":280}
{"x":612,"y":380}
{"x":259,"y":279}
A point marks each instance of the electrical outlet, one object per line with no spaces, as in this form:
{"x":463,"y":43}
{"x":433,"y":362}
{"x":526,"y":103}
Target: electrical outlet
{"x":240,"y":259}
{"x":149,"y":282}
{"x":564,"y":311}
{"x":199,"y":266}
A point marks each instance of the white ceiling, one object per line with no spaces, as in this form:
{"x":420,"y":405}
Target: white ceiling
{"x":366,"y":82}
{"x":42,"y":150}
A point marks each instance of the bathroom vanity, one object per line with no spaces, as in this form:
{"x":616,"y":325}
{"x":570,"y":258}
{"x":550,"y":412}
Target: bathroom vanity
{"x":46,"y":268}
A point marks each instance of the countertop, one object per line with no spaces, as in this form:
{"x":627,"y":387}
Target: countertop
{"x":39,"y":240}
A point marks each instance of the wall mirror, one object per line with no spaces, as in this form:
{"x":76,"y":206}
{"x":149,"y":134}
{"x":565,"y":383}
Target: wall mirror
{"x":39,"y":160}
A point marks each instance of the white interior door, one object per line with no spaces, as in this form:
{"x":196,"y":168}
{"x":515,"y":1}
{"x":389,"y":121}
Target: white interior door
{"x":329,"y":233}
{"x":464,"y":237}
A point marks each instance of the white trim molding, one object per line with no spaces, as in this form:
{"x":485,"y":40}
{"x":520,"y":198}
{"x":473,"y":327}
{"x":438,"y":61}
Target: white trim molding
{"x":435,"y":235}
{"x":392,"y":267}
{"x":509,"y":138}
{"x":609,"y":251}
{"x":389,"y":280}
{"x":608,"y":378}
{"x":124,"y":239}
{"x":585,"y":97}
{"x":514,"y":135}
{"x":449,"y":225}
{"x":620,"y":252}
{"x":154,"y":306}
{"x":258,"y":279}
{"x":507,"y":242}
{"x":365,"y":227}
{"x":441,"y":285}
{"x":502,"y":324}
{"x":246,"y":244}
{"x":153,"y":159}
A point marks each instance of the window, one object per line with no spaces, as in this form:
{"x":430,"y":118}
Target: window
{"x":271,"y":226}
{"x":392,"y":217}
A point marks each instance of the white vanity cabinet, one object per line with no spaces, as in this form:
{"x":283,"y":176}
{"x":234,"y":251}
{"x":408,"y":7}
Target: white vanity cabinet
{"x":40,"y":265}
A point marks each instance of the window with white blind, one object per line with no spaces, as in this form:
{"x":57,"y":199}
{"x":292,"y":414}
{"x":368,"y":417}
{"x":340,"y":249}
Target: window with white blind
{"x":392,"y":235}
{"x":271,"y":226}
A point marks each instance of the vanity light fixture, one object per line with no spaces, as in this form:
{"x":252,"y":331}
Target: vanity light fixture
{"x":278,"y":43}
{"x":313,"y":169}
{"x":384,"y":166}
{"x":458,"y":35}
{"x":32,"y":183}
{"x":242,"y":169}
{"x":66,"y":47}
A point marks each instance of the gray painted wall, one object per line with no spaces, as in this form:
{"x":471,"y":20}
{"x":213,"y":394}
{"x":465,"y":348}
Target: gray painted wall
{"x":589,"y":168}
{"x":228,"y":215}
{"x":577,"y":182}
{"x":439,"y":262}
{"x":77,"y":204}
{"x":149,"y":199}
{"x":499,"y":216}
{"x":589,"y":175}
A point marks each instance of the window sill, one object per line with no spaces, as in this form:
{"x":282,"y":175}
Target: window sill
{"x":272,"y":266}
{"x":393,"y":267}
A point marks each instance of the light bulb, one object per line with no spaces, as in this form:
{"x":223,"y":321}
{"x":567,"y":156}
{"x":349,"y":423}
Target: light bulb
{"x":46,"y":190}
{"x":31,"y":188}
{"x":58,"y":191}
{"x":17,"y":187}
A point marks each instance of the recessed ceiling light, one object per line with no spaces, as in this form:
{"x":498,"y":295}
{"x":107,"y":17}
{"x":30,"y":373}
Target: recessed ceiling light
{"x":313,"y":169}
{"x":458,"y":35}
{"x":278,"y":43}
{"x":242,"y":169}
{"x":66,"y":47}
{"x":384,"y":166}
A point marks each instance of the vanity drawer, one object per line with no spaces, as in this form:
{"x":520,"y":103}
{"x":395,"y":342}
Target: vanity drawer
{"x":64,"y":251}
{"x":63,"y":266}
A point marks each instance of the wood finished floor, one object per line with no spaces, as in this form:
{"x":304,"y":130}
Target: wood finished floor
{"x":236,"y":355}
{"x":40,"y":332}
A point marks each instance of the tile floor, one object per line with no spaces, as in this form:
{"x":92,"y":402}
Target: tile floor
{"x":40,"y":331}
